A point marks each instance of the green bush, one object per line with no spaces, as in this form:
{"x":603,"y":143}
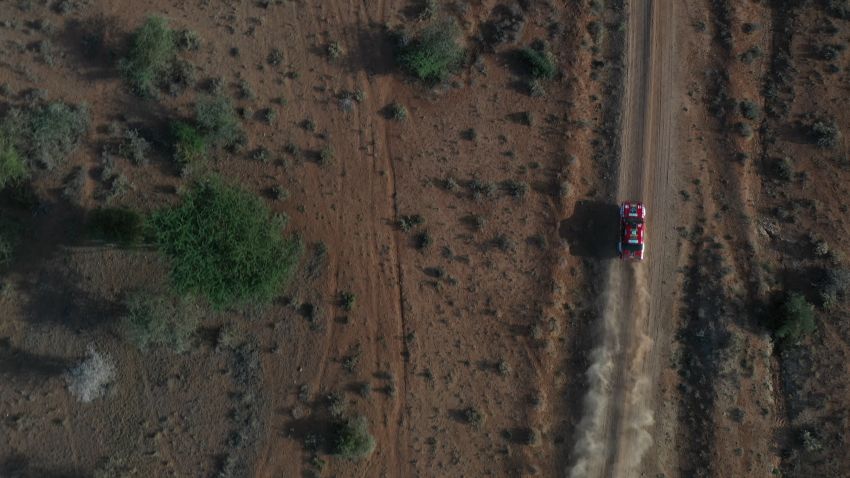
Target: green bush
{"x":225,"y":245}
{"x":46,"y":134}
{"x":217,"y":119}
{"x":150,"y":57}
{"x":797,"y":319}
{"x":116,"y":225}
{"x":397,"y":111}
{"x":351,"y":439}
{"x":134,"y":147}
{"x":824,"y":134}
{"x":750,"y":110}
{"x":434,"y":54}
{"x":347,"y":300}
{"x":188,"y":143}
{"x":12,"y":168}
{"x":539,"y":63}
{"x":160,"y":321}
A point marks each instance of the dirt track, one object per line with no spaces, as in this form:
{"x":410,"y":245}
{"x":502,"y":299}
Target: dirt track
{"x":646,"y":167}
{"x":636,"y":310}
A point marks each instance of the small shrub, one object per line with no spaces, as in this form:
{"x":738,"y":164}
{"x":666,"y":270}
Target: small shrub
{"x":180,"y":76}
{"x":351,"y":438}
{"x":75,"y":185}
{"x":245,"y":90}
{"x":187,"y":40}
{"x":292,"y":149}
{"x":227,"y":337}
{"x":528,"y":436}
{"x":823,"y":134}
{"x":834,"y":286}
{"x":750,"y":110}
{"x":347,"y":301}
{"x":334,"y":50}
{"x":783,"y":169}
{"x":423,"y":240}
{"x":152,"y":51}
{"x":540,"y":64}
{"x":275,"y":57}
{"x":260,"y":154}
{"x":46,"y":134}
{"x":744,"y":130}
{"x":189,"y":144}
{"x":564,"y":189}
{"x":160,"y":321}
{"x":336,"y":404}
{"x":475,"y":221}
{"x":217,"y":119}
{"x":134,"y":147}
{"x":409,"y":221}
{"x":516,"y":189}
{"x":116,"y":225}
{"x":481,"y":189}
{"x":269,"y":115}
{"x":280,"y":193}
{"x":473,"y":416}
{"x":830,"y":52}
{"x":751,"y":55}
{"x":797,"y":319}
{"x":225,"y":245}
{"x":246,"y":112}
{"x":326,"y":155}
{"x":434,"y":54}
{"x":398,"y":111}
{"x":91,"y":378}
{"x":12,"y":167}
{"x":502,"y":242}
{"x":503,"y":367}
{"x":535,"y":88}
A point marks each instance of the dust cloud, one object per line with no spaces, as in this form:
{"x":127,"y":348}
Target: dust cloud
{"x":589,"y":450}
{"x":622,"y":344}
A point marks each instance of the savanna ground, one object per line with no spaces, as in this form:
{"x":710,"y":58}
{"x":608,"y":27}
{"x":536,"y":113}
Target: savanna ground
{"x":454,"y":233}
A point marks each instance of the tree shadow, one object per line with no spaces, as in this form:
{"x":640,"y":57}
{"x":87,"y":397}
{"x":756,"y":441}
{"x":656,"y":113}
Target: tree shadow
{"x":592,"y":229}
{"x":55,"y":297}
{"x":94,"y":43}
{"x":19,"y":466}
{"x":374,"y":50}
{"x":51,"y":292}
{"x":18,"y":363}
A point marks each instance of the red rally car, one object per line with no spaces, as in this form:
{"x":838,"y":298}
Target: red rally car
{"x":632,"y":230}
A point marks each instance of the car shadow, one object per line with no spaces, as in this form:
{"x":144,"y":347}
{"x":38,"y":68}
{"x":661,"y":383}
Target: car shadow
{"x":592,"y":229}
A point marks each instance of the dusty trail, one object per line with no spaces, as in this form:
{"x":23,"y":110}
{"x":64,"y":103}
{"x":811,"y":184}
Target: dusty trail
{"x":615,"y":433}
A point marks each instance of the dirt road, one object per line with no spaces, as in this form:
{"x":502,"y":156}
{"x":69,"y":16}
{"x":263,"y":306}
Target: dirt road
{"x":615,"y":432}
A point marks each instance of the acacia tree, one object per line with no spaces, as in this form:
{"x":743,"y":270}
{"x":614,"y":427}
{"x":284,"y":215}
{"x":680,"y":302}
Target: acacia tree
{"x":225,"y":245}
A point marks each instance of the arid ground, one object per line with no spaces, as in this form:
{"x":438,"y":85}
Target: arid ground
{"x":459,"y":287}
